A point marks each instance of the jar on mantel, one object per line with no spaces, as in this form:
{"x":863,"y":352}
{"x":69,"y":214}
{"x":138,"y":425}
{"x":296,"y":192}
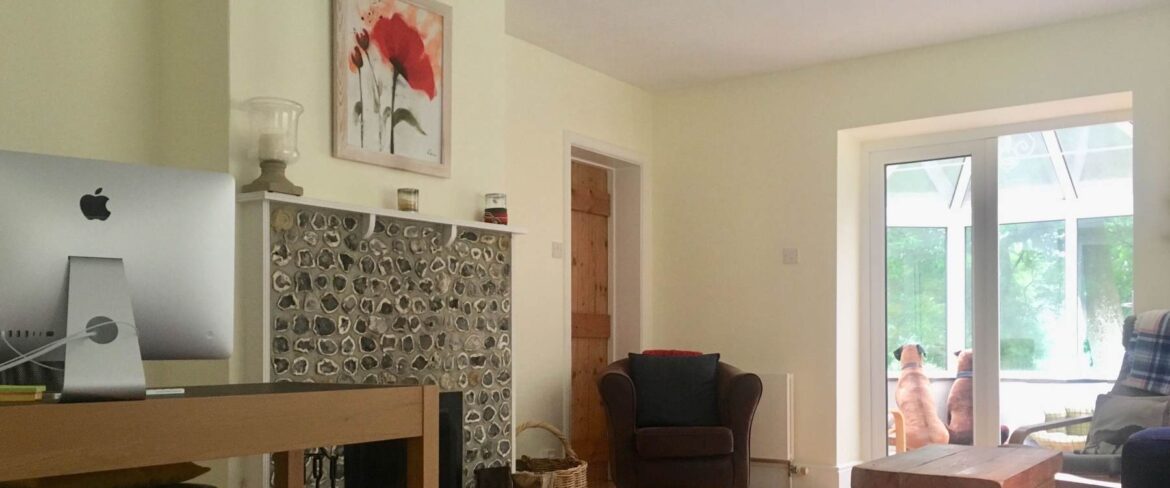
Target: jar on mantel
{"x":408,"y":199}
{"x":495,"y":208}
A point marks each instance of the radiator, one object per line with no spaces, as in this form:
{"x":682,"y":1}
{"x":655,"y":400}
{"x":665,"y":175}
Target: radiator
{"x":772,"y":428}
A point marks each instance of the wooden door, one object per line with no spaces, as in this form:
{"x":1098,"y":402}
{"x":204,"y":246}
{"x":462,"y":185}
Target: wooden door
{"x":591,"y":314}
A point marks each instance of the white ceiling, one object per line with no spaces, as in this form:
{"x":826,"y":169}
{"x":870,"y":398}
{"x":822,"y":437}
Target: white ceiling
{"x":667,"y":43}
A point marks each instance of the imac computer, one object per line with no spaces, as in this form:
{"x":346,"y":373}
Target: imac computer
{"x":104,"y":264}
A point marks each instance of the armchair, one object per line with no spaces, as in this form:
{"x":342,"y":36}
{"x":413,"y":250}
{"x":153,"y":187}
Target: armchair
{"x":1103,"y":467}
{"x":680,"y":457}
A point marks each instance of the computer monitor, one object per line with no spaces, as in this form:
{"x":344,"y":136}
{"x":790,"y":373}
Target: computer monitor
{"x":84,"y":242}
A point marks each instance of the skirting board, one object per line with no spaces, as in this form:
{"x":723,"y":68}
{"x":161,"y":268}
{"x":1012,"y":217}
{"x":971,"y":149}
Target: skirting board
{"x":824,"y":476}
{"x":770,"y":475}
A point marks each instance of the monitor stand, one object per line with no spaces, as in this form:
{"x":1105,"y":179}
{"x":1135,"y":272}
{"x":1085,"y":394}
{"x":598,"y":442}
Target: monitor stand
{"x":107,"y":366}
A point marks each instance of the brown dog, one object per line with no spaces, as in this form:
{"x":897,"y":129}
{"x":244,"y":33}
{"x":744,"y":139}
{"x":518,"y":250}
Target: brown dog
{"x":959,"y":404}
{"x":916,"y":401}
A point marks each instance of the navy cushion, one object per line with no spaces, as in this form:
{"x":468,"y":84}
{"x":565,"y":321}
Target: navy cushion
{"x":676,"y":391}
{"x":1145,"y":461}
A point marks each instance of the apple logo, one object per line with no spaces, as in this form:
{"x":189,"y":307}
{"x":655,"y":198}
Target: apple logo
{"x":94,"y":206}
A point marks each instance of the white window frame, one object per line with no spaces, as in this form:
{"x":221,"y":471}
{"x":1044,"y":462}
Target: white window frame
{"x":982,"y":145}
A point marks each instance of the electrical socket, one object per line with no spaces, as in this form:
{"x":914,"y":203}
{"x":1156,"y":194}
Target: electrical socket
{"x":558,"y":250}
{"x":791,"y":255}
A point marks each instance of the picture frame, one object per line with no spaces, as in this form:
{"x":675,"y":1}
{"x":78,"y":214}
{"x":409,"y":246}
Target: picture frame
{"x":392,"y":84}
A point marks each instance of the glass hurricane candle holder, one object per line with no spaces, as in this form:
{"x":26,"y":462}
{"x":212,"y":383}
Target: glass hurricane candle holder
{"x":273,"y":136}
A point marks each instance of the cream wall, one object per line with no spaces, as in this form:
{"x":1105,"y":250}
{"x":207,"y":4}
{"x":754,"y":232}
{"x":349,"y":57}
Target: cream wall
{"x":123,"y":80}
{"x":762,"y":154}
{"x":547,"y":96}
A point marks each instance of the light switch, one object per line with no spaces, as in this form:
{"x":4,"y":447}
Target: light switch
{"x":791,"y":255}
{"x":558,"y":250}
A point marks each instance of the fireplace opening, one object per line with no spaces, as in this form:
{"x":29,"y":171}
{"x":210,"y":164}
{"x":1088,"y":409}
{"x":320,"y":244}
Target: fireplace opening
{"x":383,"y":464}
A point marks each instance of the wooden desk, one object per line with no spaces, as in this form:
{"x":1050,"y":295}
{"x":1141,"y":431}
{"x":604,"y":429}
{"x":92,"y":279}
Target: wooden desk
{"x":52,"y":439}
{"x":962,"y":467}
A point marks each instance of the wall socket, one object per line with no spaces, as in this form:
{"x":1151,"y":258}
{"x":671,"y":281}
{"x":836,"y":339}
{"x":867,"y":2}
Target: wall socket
{"x":558,"y":250}
{"x":791,"y":255}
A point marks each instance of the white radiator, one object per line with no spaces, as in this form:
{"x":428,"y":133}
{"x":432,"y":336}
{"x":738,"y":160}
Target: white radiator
{"x":772,"y":428}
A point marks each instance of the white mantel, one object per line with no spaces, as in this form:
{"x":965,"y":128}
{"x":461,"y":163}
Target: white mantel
{"x":377,"y":212}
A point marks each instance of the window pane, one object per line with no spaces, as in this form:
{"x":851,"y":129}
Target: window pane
{"x":920,"y":193}
{"x":1105,"y":278}
{"x":1026,"y":174}
{"x":1031,"y":295}
{"x":1100,"y":159}
{"x":916,"y":291}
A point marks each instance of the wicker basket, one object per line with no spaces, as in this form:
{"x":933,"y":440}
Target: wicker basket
{"x":567,"y":472}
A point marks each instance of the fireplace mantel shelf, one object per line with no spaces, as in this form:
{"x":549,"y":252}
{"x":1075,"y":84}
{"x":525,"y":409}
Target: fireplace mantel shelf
{"x":372,"y":212}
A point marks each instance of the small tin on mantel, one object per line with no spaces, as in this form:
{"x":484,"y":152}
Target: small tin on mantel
{"x":495,"y":208}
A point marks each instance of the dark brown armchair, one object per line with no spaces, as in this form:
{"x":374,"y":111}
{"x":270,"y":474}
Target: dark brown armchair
{"x":680,"y":457}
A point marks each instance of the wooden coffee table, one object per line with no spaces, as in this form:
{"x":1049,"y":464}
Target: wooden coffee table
{"x":940,"y":466}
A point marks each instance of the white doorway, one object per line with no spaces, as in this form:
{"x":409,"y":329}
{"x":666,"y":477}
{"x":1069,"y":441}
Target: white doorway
{"x":628,"y":244}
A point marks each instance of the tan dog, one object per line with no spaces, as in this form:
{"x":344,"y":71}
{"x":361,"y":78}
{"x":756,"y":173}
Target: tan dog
{"x":960,"y":423}
{"x":916,"y":402}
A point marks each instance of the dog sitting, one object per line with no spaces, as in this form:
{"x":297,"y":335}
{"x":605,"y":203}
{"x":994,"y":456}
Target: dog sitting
{"x":960,"y":423}
{"x":916,"y":402}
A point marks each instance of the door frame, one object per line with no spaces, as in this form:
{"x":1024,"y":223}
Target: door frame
{"x":629,"y":244}
{"x":983,"y":153}
{"x":873,"y":336}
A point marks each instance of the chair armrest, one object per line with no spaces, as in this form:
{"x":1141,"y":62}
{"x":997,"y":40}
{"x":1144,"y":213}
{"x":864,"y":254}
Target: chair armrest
{"x":1023,"y":432}
{"x":621,"y":410}
{"x":739,"y":395}
{"x":617,"y":392}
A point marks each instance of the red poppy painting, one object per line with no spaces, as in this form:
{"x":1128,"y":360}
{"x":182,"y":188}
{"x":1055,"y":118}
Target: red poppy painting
{"x":392,"y":84}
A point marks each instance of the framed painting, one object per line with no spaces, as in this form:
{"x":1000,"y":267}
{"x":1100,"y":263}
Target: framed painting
{"x":392,"y":84}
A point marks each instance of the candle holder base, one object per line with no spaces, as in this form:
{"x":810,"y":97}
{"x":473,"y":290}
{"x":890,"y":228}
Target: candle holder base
{"x":272,"y":179}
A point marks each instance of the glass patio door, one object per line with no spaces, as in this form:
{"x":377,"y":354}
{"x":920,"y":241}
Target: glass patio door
{"x":1007,"y":263}
{"x":1065,"y":199}
{"x":933,"y":279}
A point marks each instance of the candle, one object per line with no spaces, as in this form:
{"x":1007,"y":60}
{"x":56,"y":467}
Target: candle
{"x":408,"y":199}
{"x":272,"y":147}
{"x":495,"y":209}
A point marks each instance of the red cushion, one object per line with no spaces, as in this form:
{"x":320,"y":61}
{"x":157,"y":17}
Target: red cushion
{"x":671,"y":353}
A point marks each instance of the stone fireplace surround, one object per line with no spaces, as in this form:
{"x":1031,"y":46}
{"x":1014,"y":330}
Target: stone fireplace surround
{"x":406,"y":304}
